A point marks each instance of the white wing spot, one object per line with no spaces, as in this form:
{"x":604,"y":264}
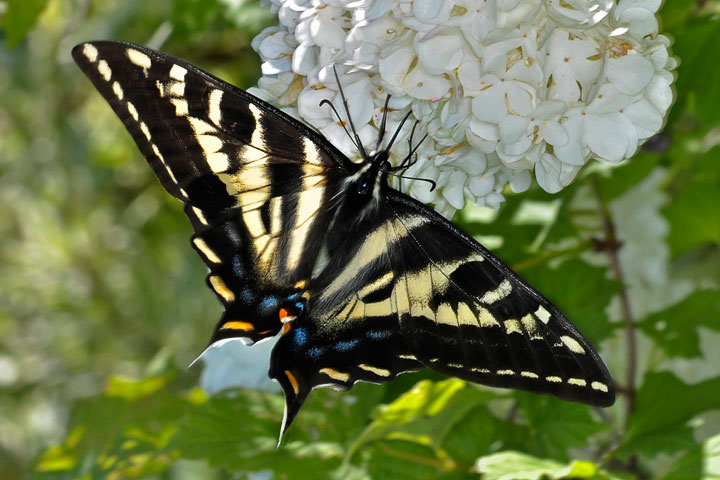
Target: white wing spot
{"x":528,"y":375}
{"x":377,"y":371}
{"x":577,"y":381}
{"x":501,"y":292}
{"x":543,"y":314}
{"x":512,"y":326}
{"x":601,"y":387}
{"x":90,"y":52}
{"x":553,"y":379}
{"x":456,"y":365}
{"x":572,"y":344}
{"x":214,"y":112}
{"x":181,"y":106}
{"x":139,"y":59}
{"x":311,"y":152}
{"x":145,"y":130}
{"x":480,"y":370}
{"x":487,"y":319}
{"x":104,"y":70}
{"x":206,"y":250}
{"x":118,"y":91}
{"x":200,"y":215}
{"x":219,"y":162}
{"x":178,"y":73}
{"x":505,"y":372}
{"x":407,"y":357}
{"x":221,"y":289}
{"x":177,"y":89}
{"x":335,"y":375}
{"x":209,"y":143}
{"x":133,"y":111}
{"x":531,"y":327}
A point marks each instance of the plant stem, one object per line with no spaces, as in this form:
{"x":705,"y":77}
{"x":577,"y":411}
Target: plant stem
{"x":611,"y":245}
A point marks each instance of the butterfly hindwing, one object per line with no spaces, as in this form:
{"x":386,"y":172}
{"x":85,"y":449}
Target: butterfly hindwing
{"x":251,"y":177}
{"x":415,"y":291}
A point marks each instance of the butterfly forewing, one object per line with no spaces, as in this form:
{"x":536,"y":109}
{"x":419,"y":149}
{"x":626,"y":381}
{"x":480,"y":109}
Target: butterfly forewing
{"x":252,"y":178}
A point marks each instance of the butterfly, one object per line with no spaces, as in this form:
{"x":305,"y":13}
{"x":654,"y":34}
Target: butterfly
{"x":358,"y":280}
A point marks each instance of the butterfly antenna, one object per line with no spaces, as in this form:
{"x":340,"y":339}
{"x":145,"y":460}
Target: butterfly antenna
{"x":347,"y":111}
{"x":340,"y":121}
{"x":397,"y":131}
{"x":407,"y":162}
{"x":382,"y":123}
{"x":431,"y":182}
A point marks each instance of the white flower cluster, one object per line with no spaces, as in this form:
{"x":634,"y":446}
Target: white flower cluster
{"x":502,"y":87}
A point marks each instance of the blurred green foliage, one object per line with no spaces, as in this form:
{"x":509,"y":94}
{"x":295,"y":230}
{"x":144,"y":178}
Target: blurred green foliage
{"x":102,"y":303}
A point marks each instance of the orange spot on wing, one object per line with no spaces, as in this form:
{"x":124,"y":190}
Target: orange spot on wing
{"x":293,"y":381}
{"x":283,"y":313}
{"x":286,"y":328}
{"x":238,"y":325}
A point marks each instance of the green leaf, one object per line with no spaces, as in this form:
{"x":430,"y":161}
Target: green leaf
{"x":693,"y":217}
{"x":622,"y":178}
{"x":687,"y":467}
{"x":20,"y":17}
{"x":425,"y":414}
{"x":403,"y":459}
{"x":117,"y":434}
{"x":697,"y":87}
{"x":556,"y":426}
{"x":675,"y":329}
{"x":581,"y":291}
{"x":663,"y":407}
{"x":521,"y":466}
{"x":240,"y":434}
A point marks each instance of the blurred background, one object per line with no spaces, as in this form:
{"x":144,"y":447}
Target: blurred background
{"x":103,"y":304}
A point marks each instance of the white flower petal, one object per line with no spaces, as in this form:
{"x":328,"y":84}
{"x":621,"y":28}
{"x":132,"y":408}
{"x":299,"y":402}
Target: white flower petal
{"x":309,"y":104}
{"x":547,"y":173}
{"x":421,"y":84}
{"x":645,"y":117}
{"x":513,"y":127}
{"x":326,"y":33}
{"x":520,"y":181}
{"x":432,"y":11}
{"x":304,"y":59}
{"x":440,"y":53}
{"x":453,"y":190}
{"x":394,"y":67}
{"x":482,"y":185}
{"x":605,"y":138}
{"x":630,"y":74}
{"x":489,"y":105}
{"x":554,"y":134}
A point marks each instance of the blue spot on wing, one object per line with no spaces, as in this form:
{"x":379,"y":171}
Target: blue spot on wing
{"x":379,"y":334}
{"x":267,"y":304}
{"x":345,"y":346}
{"x":315,"y":352}
{"x":238,"y":267}
{"x":300,"y":337}
{"x":247,"y":296}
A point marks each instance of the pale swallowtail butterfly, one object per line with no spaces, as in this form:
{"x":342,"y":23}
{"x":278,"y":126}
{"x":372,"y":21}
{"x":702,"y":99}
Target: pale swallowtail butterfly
{"x":361,"y":281}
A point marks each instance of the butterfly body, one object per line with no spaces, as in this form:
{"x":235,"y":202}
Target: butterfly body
{"x":360,"y":281}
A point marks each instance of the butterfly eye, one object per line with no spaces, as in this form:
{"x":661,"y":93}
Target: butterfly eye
{"x":363,"y":186}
